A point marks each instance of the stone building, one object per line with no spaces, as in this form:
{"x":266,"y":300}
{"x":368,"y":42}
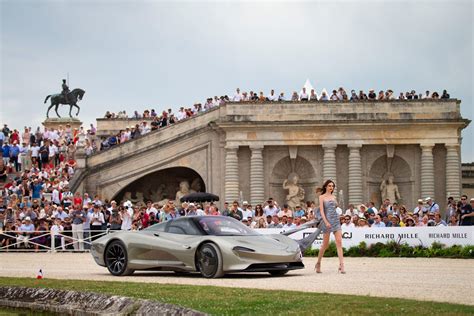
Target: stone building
{"x":252,"y":151}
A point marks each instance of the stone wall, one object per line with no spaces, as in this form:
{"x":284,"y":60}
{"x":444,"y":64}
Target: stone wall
{"x":246,"y":150}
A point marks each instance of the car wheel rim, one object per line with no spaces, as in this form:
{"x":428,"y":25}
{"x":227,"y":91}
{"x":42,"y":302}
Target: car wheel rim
{"x":115,"y":259}
{"x":208,"y":261}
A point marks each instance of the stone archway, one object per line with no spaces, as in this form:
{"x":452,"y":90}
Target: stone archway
{"x":286,"y":168}
{"x":401,"y":171}
{"x":161,"y":185}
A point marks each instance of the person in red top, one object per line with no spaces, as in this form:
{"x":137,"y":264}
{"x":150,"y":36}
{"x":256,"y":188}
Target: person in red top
{"x":15,"y":136}
{"x":77,"y":199}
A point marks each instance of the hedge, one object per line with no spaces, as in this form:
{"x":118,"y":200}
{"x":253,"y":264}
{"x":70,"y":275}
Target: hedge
{"x":394,"y":249}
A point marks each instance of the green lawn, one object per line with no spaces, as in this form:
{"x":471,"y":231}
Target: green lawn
{"x":238,"y":301}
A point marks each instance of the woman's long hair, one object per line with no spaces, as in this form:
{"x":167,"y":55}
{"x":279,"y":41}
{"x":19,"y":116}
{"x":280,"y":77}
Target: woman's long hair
{"x":323,"y":190}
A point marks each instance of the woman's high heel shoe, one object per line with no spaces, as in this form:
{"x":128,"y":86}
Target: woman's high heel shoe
{"x":341,"y":269}
{"x":317,"y":267}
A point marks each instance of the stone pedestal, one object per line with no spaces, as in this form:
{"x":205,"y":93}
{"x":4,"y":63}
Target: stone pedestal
{"x":55,"y":123}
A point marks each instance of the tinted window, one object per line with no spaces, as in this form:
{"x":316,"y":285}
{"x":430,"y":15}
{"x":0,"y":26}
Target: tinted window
{"x":183,"y":227}
{"x":158,"y":227}
{"x":224,"y":226}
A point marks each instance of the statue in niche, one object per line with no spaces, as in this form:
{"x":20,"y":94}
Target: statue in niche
{"x":127,"y":196}
{"x":196,"y":185}
{"x":389,"y":190}
{"x":157,"y":195}
{"x":296,"y":193}
{"x":183,"y":190}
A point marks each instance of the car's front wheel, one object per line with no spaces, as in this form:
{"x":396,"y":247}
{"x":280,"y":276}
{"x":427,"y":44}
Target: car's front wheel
{"x":116,"y":259}
{"x":278,"y":272}
{"x":209,"y":261}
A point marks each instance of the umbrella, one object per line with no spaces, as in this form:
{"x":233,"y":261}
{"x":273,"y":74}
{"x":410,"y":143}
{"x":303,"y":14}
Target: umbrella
{"x":199,"y":197}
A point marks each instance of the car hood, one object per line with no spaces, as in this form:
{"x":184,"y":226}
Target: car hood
{"x":260,"y":242}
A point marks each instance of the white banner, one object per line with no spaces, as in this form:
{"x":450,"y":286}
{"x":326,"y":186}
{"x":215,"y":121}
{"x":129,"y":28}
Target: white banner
{"x":413,"y":236}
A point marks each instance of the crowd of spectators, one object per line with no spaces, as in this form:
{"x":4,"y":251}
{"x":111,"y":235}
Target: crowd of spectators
{"x":150,"y":120}
{"x":40,"y":208}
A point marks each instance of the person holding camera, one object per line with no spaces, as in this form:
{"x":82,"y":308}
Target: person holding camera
{"x":96,"y":219}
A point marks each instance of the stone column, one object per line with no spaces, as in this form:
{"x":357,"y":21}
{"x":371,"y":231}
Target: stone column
{"x":257,"y":184}
{"x":231,"y":174}
{"x":453,"y":172}
{"x":355,"y":175}
{"x":427,"y":171}
{"x":329,"y":164}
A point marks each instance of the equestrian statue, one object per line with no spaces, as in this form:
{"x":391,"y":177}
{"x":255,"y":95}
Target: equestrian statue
{"x":65,"y":97}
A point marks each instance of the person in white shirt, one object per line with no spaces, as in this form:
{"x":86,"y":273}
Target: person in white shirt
{"x":181,"y":114}
{"x":150,"y":208}
{"x":351,"y":211}
{"x":55,"y":196}
{"x":56,"y":230}
{"x":96,"y":220}
{"x":282,"y":97}
{"x":272,"y":96}
{"x":126,"y":216}
{"x":272,"y":208}
{"x":34,"y":152}
{"x":303,"y":95}
{"x":347,"y":222}
{"x":246,"y":211}
{"x":237,"y":97}
{"x":419,"y":209}
{"x":145,"y":128}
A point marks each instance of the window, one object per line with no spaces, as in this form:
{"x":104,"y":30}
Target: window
{"x":183,"y":227}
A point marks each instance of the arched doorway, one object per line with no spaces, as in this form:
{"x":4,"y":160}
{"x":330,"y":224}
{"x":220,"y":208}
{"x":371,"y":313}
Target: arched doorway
{"x":161,"y":185}
{"x":381,"y":169}
{"x":287,"y":169}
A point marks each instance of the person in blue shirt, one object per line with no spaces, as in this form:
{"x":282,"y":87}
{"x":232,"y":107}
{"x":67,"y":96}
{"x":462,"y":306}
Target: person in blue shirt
{"x":6,"y":153}
{"x":299,"y":212}
{"x":36,"y":189}
{"x":14,"y":152}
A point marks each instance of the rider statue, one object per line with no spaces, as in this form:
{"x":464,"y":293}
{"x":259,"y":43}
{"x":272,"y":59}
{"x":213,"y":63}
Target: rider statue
{"x":65,"y":90}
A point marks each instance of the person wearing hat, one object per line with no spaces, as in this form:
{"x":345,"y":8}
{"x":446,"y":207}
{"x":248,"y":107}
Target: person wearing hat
{"x":432,"y":206}
{"x":467,"y":212}
{"x":191,"y":210}
{"x":25,"y":231}
{"x":362,"y":222}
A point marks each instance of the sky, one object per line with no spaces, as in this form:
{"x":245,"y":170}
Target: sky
{"x":137,"y":55}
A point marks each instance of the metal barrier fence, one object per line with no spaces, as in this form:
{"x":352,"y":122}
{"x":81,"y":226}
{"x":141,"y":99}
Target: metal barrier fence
{"x":46,"y":241}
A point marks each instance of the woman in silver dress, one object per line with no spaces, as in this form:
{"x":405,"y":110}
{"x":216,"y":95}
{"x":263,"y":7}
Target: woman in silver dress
{"x":331,"y":223}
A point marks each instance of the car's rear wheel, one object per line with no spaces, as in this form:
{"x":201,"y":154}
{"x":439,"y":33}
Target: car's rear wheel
{"x":116,"y":259}
{"x":278,"y":272}
{"x":209,"y":261}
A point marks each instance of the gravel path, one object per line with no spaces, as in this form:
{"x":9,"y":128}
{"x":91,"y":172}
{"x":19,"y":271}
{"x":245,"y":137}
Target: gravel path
{"x":446,"y":280}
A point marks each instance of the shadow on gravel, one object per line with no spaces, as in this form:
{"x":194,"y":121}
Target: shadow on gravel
{"x":195,"y":275}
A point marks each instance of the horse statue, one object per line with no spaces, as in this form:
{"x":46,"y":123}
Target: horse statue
{"x":72,"y":98}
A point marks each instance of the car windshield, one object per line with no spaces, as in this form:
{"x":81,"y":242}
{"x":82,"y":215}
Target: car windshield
{"x":224,"y":226}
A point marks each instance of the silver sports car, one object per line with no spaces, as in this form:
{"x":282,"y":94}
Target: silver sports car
{"x":211,"y":245}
